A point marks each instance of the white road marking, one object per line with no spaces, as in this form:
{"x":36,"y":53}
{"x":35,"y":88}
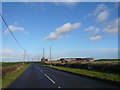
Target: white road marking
{"x":39,"y":69}
{"x":49,"y":78}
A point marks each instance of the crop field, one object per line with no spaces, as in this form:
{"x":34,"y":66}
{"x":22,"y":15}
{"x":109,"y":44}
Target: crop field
{"x":5,"y":64}
{"x":8,"y":67}
{"x":108,"y":61}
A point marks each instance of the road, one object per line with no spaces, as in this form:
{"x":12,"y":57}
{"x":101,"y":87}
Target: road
{"x":38,"y":76}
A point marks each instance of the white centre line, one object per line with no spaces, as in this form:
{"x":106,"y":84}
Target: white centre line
{"x":49,"y":78}
{"x":39,"y":69}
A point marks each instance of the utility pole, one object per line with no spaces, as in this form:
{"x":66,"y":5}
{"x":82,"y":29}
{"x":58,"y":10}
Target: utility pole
{"x":28,"y":59}
{"x":50,"y":55}
{"x":24,"y":56}
{"x":43,"y":52}
{"x":38,"y":58}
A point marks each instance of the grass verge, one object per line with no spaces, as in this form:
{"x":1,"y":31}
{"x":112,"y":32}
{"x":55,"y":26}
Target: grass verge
{"x":8,"y":79}
{"x":90,"y":73}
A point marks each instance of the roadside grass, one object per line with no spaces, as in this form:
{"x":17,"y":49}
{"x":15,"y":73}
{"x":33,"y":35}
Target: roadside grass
{"x":8,"y":79}
{"x":90,"y":73}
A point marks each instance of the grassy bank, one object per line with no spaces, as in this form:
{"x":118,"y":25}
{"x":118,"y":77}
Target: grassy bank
{"x":90,"y":73}
{"x":8,"y":79}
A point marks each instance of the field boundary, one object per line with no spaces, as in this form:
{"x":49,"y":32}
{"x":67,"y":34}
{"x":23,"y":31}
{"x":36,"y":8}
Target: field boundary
{"x":9,"y":69}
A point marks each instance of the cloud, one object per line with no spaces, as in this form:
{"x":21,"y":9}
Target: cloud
{"x":101,"y":13}
{"x":102,"y":16}
{"x":52,"y":36}
{"x":96,"y":37}
{"x":96,"y":30}
{"x":89,"y":28}
{"x":57,"y":34}
{"x":69,"y":4}
{"x":100,"y":8}
{"x":111,"y":27}
{"x":93,"y":30}
{"x":14,"y":28}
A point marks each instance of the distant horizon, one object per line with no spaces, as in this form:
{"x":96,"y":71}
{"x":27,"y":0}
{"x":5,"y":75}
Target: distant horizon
{"x":55,"y":60}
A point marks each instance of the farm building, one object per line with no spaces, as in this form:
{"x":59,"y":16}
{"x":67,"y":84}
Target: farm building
{"x":76,"y":59}
{"x":89,"y":59}
{"x":43,"y":59}
{"x":65,"y":60}
{"x":52,"y":62}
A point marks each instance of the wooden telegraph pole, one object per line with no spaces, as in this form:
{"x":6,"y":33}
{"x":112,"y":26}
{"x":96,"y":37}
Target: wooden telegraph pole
{"x":24,"y":56}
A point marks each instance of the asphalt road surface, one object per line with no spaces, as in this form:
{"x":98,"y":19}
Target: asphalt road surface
{"x":38,"y":76}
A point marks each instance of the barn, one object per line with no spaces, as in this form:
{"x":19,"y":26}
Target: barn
{"x":76,"y":59}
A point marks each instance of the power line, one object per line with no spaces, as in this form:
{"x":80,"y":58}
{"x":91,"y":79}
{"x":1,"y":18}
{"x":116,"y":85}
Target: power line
{"x":14,"y":37}
{"x":11,"y":32}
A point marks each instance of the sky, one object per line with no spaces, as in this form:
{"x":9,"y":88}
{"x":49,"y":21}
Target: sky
{"x":81,"y":29}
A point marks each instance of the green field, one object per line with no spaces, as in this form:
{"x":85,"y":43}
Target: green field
{"x":108,"y":60}
{"x":5,"y":64}
{"x":90,"y":73}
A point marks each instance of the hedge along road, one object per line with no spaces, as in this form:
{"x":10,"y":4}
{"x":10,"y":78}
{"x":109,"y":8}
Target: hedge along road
{"x":38,"y":76}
